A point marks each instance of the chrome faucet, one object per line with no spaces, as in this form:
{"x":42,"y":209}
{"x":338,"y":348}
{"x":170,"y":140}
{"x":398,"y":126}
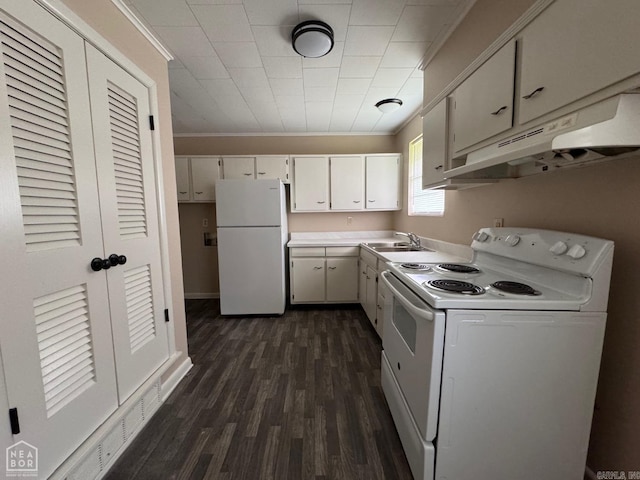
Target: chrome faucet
{"x":414,"y":240}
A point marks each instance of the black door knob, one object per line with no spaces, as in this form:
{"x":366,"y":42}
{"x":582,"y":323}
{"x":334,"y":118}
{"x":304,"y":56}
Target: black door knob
{"x":113,"y":259}
{"x":122,"y":260}
{"x":96,"y":264}
{"x":106,"y":264}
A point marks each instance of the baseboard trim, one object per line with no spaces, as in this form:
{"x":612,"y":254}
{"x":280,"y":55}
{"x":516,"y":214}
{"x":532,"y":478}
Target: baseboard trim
{"x":172,"y":382}
{"x":589,"y":474}
{"x":197,"y":296}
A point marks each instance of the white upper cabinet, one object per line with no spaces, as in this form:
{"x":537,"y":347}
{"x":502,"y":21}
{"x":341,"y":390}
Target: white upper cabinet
{"x":183,"y":179}
{"x":238,"y":167}
{"x":483,"y":105}
{"x":273,"y":166}
{"x":347,"y":182}
{"x":383,"y":184}
{"x":310,"y":184}
{"x":434,"y":144}
{"x":575,"y":48}
{"x":205,"y":172}
{"x":196,"y":178}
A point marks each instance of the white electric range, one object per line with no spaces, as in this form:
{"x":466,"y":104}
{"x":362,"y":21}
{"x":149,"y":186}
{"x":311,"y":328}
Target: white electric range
{"x":490,"y":368}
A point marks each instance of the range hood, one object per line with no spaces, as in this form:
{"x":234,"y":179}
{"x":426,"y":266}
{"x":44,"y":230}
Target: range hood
{"x":606,"y":129}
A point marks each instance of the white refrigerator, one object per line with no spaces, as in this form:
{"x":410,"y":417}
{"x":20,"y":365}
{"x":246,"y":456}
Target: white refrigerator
{"x":252,"y":236}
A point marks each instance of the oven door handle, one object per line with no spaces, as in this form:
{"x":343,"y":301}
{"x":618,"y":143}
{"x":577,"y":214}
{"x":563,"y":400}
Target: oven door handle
{"x":402,"y":298}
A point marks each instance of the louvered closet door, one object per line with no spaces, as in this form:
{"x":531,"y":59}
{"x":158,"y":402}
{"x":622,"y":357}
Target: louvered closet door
{"x":126,"y":179}
{"x":55,"y":335}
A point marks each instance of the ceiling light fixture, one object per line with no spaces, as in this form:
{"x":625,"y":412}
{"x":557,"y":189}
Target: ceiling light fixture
{"x":312,"y":39}
{"x":389,"y":105}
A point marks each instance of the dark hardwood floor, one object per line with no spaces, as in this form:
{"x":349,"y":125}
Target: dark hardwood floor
{"x":291,"y":397}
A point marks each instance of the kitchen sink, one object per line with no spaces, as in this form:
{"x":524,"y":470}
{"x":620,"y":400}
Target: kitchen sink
{"x":395,"y":247}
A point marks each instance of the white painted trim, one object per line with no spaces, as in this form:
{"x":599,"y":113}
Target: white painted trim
{"x":174,"y":379}
{"x":196,"y":295}
{"x":67,"y":16}
{"x":502,"y":40}
{"x":435,"y":47}
{"x":142,"y":28}
{"x":589,"y":474}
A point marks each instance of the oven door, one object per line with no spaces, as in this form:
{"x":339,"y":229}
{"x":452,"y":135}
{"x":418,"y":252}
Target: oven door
{"x":413,"y":343}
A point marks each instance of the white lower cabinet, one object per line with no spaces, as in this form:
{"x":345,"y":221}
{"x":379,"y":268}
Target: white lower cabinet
{"x":82,"y":286}
{"x":323,"y":275}
{"x":369,"y":293}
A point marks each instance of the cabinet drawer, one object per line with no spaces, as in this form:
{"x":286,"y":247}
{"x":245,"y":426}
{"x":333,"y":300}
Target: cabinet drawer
{"x":306,"y":252}
{"x":369,"y":258}
{"x":343,"y":251}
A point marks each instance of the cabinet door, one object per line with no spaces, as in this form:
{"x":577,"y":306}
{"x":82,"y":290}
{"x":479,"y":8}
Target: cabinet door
{"x":380,"y":315}
{"x":383,"y":182}
{"x":55,"y":334}
{"x":347,"y":182}
{"x":372,"y":294}
{"x":205,"y":172}
{"x":574,"y":48}
{"x":434,"y":144}
{"x":238,"y":168}
{"x":342,"y":279}
{"x":362,"y":283}
{"x":484,"y":101}
{"x":128,"y":204}
{"x":307,"y":280}
{"x":310,"y":184}
{"x":273,"y":166}
{"x":182,"y":178}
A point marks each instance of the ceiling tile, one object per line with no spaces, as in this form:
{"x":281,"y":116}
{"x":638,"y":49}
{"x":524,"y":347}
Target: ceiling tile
{"x":375,"y":94}
{"x":290,"y":103}
{"x":324,"y":2}
{"x":293,"y":120}
{"x":320,"y":77}
{"x":434,"y":2}
{"x":337,"y":16}
{"x":224,"y":23}
{"x":282,"y":87}
{"x":319,"y":94}
{"x":376,"y":12}
{"x":272,"y":12}
{"x":216,"y":2}
{"x":347,"y":86}
{"x":367,"y":40}
{"x":403,"y":54}
{"x":366,"y":119}
{"x":204,"y":68}
{"x":274,"y":41}
{"x":422,"y":23}
{"x":186,"y":41}
{"x":175,"y":63}
{"x":166,"y":13}
{"x":318,"y":116}
{"x":332,"y":59}
{"x":283,"y":67}
{"x":391,"y":77}
{"x":359,"y":67}
{"x":250,"y":77}
{"x":342,"y":119}
{"x":238,"y":54}
{"x":413,"y":87}
{"x":348,"y":102}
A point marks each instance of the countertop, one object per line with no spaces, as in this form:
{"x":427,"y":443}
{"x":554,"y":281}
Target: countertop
{"x":441,"y":251}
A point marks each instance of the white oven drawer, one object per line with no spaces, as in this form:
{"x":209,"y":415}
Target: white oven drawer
{"x":413,"y":341}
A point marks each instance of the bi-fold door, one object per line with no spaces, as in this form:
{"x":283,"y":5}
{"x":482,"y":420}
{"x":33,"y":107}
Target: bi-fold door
{"x":76,"y":183}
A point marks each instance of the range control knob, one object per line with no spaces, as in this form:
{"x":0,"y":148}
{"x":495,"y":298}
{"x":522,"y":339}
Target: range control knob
{"x":576,"y":252}
{"x":559,"y":248}
{"x":512,"y":240}
{"x":480,"y":236}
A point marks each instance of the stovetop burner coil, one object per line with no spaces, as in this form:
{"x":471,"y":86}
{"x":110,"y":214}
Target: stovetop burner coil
{"x":456,"y":286}
{"x":416,"y":266}
{"x":515,"y":288}
{"x":457,"y":268}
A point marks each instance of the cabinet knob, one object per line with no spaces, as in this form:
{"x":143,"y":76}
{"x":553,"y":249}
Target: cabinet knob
{"x":438,"y":167}
{"x":535,"y":92}
{"x":370,"y":201}
{"x":500,"y":110}
{"x":199,"y":193}
{"x":183,"y":193}
{"x":332,"y":268}
{"x":248,"y":174}
{"x":317,"y":268}
{"x":262,"y":173}
{"x":320,"y":202}
{"x":356,"y":201}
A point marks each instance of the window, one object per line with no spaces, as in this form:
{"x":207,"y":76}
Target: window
{"x":421,"y":202}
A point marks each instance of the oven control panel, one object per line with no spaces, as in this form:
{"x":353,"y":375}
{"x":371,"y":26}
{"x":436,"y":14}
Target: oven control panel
{"x":564,"y":251}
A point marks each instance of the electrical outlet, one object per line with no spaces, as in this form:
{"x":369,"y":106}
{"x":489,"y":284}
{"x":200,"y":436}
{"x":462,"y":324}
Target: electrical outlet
{"x":205,"y":222}
{"x":349,"y":220}
{"x":498,"y":222}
